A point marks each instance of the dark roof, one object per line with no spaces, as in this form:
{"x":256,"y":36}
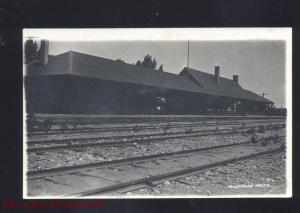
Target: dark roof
{"x":102,"y":68}
{"x":84,"y":65}
{"x":225,"y":87}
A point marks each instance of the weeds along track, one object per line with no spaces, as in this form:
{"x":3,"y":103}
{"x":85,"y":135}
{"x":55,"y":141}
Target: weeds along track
{"x":51,"y":145}
{"x":117,"y":175}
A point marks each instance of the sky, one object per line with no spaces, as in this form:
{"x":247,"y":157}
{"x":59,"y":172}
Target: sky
{"x":259,"y":64}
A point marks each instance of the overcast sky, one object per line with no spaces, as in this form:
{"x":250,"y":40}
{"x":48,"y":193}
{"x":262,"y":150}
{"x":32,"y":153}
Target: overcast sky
{"x":259,"y":64}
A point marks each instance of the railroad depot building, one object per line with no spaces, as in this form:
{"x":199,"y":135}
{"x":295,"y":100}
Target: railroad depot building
{"x":77,"y":83}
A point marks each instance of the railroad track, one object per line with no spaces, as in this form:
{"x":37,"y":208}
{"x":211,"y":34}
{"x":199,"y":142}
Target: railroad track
{"x":63,"y":140}
{"x":117,"y":175}
{"x":141,"y":127}
{"x":130,"y":140}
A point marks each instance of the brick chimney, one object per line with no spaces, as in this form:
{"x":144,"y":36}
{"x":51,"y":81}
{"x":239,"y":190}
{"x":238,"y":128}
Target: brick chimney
{"x":44,"y":52}
{"x":235,"y":78}
{"x":217,"y":73}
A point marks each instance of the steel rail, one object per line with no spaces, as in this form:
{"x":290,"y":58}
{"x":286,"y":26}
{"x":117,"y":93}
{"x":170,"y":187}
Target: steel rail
{"x":133,"y":140}
{"x":66,"y":140}
{"x":122,"y":128}
{"x":118,"y":143}
{"x":170,"y":175}
{"x":57,"y":141}
{"x":69,"y":169}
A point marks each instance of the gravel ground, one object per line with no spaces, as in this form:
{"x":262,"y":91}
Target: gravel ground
{"x":43,"y":160}
{"x":261,"y":176}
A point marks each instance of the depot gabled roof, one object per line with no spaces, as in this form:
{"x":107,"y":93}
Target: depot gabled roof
{"x":224,"y":87}
{"x":84,"y":65}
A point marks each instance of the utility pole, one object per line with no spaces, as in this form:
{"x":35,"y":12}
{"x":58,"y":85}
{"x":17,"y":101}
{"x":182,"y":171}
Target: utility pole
{"x":188,"y":55}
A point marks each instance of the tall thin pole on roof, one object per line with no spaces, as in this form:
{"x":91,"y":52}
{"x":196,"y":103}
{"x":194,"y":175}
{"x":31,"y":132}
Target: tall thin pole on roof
{"x":263,"y":94}
{"x":188,"y":55}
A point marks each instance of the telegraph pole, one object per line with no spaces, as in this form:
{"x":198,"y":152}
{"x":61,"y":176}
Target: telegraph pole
{"x":188,"y":55}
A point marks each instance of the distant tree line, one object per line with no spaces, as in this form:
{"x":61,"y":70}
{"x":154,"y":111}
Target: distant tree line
{"x":120,"y":60}
{"x":31,"y":51}
{"x":149,"y":62}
